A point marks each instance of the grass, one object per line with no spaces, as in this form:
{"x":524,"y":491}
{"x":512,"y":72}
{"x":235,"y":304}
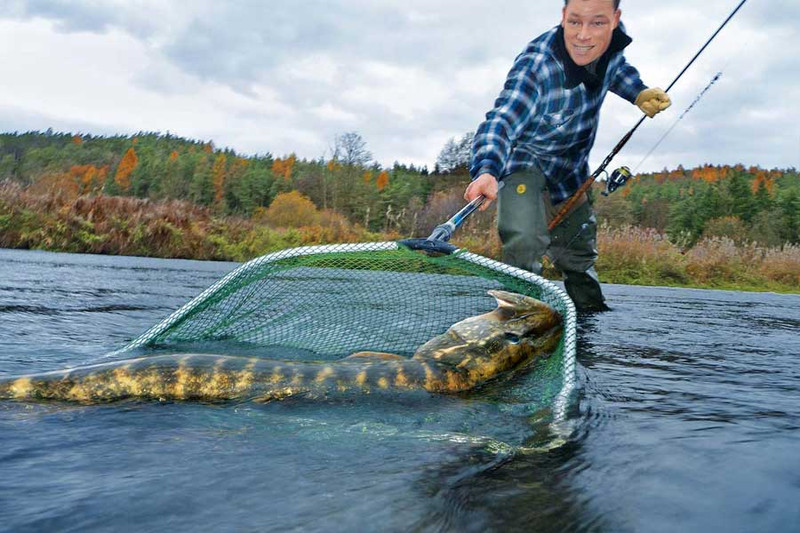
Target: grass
{"x":637,"y":256}
{"x":176,"y":229}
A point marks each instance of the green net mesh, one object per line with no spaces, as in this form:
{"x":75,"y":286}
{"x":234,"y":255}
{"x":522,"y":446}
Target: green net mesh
{"x":326,"y":302}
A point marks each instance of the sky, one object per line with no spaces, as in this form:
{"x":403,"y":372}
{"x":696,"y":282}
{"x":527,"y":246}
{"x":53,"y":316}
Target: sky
{"x":288,"y":76}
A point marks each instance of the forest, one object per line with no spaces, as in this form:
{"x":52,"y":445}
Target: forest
{"x":161,"y":195}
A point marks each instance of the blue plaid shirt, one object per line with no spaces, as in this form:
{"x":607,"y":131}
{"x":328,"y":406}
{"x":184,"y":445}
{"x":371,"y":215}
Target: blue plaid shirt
{"x":548,"y":112}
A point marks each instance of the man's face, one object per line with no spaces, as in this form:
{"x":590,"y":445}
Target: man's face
{"x":588,"y":25}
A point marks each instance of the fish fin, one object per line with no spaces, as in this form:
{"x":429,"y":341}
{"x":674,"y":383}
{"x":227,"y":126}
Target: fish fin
{"x":381,"y":356}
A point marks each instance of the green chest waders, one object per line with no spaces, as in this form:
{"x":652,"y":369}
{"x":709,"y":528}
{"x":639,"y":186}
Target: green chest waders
{"x":524,"y":211}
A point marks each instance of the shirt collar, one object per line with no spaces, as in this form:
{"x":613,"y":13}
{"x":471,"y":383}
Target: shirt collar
{"x":576,"y":74}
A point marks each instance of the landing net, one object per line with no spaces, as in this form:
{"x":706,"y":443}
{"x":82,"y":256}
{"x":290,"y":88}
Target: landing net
{"x":325,"y":302}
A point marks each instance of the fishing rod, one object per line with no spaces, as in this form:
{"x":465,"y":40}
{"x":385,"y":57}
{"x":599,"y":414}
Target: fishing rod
{"x":623,"y":174}
{"x":437,"y":241}
{"x":658,"y":143}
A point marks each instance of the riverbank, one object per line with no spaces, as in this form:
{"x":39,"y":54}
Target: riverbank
{"x":177,"y":229}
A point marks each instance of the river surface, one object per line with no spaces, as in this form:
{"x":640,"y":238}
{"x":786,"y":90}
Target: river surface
{"x":686,"y":418}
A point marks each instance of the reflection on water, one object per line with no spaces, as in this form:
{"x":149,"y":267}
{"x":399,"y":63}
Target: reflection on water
{"x":686,"y":420}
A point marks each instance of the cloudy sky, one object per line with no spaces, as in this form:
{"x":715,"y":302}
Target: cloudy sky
{"x":286,"y":76}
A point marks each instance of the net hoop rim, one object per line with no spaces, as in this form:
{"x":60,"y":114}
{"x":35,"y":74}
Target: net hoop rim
{"x":561,"y":401}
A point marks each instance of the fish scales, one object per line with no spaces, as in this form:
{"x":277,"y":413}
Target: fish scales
{"x":469,"y":353}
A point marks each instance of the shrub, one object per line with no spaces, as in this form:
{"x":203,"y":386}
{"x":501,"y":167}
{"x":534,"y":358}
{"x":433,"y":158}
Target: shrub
{"x":782,"y":265}
{"x":726,"y":227}
{"x":291,"y":210}
{"x":636,"y":255}
{"x":718,"y":261}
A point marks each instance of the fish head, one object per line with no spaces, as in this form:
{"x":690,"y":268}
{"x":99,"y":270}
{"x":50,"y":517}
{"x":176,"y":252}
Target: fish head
{"x":518,"y":330}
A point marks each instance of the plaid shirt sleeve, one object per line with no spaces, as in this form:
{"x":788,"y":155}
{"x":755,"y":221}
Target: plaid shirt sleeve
{"x":510,"y":116}
{"x":626,"y":82}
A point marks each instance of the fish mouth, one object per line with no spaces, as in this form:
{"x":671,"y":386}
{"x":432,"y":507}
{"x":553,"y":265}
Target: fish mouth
{"x":519,"y":307}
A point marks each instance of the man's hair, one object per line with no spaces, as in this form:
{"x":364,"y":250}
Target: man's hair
{"x":616,"y":4}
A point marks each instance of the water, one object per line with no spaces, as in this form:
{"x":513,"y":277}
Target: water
{"x":687,"y":419}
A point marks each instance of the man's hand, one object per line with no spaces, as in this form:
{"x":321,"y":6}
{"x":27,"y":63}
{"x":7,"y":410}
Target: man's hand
{"x":485,"y":185}
{"x":653,"y":101}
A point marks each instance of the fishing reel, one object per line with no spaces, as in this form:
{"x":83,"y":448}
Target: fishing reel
{"x":617,"y":179}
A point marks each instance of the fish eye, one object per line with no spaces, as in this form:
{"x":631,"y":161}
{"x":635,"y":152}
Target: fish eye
{"x":512,"y":338}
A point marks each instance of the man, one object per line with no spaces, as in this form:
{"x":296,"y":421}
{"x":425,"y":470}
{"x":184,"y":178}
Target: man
{"x":538,"y":136}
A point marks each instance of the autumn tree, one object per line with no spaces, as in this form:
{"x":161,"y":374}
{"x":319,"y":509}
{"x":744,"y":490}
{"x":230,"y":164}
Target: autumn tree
{"x":282,"y":168}
{"x":126,"y":166}
{"x":291,"y":210}
{"x":382,"y":181}
{"x":218,"y":177}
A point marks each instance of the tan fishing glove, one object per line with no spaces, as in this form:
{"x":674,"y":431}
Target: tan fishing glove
{"x":653,"y":101}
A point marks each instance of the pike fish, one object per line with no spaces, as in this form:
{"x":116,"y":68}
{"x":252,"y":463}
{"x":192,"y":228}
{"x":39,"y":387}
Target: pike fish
{"x":468,"y":354}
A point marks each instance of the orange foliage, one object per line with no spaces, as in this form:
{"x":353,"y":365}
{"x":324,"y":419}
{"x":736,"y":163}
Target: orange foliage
{"x":126,"y":166}
{"x":290,"y":209}
{"x":333,"y":166}
{"x":678,"y":173}
{"x":367,"y":176}
{"x":672,"y":175}
{"x":173,"y":156}
{"x":218,"y":177}
{"x":62,"y":184}
{"x":89,"y":177}
{"x":766,"y":178}
{"x":208,"y":148}
{"x":77,"y":139}
{"x":382,"y":181}
{"x":283,"y":167}
{"x":707,"y":173}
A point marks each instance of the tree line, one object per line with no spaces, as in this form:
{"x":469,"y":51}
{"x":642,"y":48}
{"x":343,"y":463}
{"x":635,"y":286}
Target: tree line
{"x":752,"y":204}
{"x":743,"y":204}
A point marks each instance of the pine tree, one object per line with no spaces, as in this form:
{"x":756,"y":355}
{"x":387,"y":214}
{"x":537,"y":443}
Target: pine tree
{"x":762,"y":199}
{"x":742,"y":205}
{"x":789,"y":206}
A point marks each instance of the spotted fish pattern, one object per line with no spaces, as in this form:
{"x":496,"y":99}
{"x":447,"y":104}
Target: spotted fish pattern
{"x":469,"y":353}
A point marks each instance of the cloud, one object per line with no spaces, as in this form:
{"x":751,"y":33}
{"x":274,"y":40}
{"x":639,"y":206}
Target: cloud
{"x":288,"y":76}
